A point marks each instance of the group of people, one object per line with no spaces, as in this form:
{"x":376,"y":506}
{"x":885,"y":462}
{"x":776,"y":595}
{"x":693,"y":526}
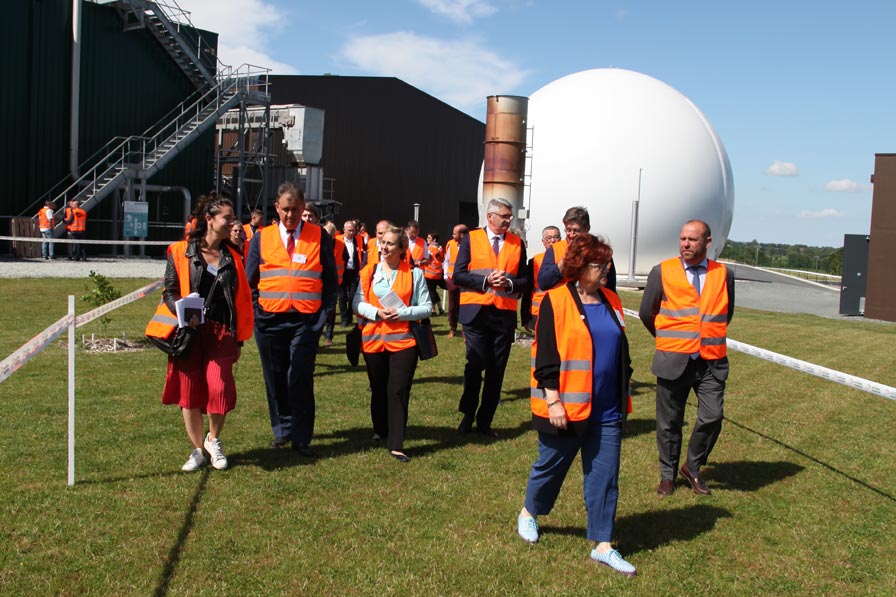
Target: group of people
{"x":281,"y":284}
{"x":75,"y":220}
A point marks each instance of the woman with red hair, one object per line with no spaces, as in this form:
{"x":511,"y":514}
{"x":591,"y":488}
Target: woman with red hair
{"x":580,"y":396}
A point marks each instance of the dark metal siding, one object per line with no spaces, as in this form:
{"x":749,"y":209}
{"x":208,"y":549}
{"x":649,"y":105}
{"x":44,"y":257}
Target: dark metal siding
{"x":389,"y":145}
{"x":128,"y":82}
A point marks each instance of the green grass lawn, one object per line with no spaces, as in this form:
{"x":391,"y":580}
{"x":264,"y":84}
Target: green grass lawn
{"x":803,"y":479}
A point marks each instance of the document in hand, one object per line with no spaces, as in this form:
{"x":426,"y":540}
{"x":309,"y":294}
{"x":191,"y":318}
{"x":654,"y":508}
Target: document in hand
{"x":390,"y":300}
{"x":187,"y":307}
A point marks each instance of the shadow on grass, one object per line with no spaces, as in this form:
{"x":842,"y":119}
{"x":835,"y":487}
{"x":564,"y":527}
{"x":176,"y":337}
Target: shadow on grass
{"x":636,"y":427}
{"x":105,"y":480}
{"x":831,"y":468}
{"x":749,"y":475}
{"x":649,"y":530}
{"x":173,"y":558}
{"x":424,"y":440}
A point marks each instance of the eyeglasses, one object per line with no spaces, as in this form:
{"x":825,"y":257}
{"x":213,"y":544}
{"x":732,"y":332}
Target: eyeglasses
{"x":600,"y":266}
{"x":502,"y":216}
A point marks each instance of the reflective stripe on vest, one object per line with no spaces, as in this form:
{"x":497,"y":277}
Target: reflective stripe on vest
{"x":450,"y":257}
{"x":687,"y":323}
{"x":283,"y":283}
{"x":576,"y":352}
{"x":379,"y":336}
{"x":483,"y":262}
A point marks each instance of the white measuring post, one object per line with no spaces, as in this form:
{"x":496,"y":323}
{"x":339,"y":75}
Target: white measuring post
{"x":71,"y":390}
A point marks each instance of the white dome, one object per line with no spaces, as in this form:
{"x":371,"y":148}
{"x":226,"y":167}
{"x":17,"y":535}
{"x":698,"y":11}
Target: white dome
{"x":592,"y":131}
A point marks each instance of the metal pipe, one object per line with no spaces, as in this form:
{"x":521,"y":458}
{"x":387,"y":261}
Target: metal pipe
{"x":633,"y":247}
{"x":75,"y":103}
{"x":504,"y":164}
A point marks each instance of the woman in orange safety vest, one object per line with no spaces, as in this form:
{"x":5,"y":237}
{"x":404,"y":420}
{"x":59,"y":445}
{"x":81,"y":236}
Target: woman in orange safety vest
{"x":390,"y":351}
{"x":202,"y":380}
{"x":579,"y":397}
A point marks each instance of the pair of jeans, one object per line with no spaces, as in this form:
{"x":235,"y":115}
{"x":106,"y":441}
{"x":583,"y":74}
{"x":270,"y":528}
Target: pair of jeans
{"x":46,"y":247}
{"x":600,"y":445}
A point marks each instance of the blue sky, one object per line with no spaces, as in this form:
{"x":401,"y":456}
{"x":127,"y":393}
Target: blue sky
{"x":801,"y":93}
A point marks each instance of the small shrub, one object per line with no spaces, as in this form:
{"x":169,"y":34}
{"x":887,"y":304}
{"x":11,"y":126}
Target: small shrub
{"x":101,"y":293}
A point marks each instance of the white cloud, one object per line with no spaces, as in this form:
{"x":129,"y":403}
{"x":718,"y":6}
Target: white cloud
{"x":460,"y":72}
{"x":845,"y":185}
{"x":779,"y":168}
{"x":829,"y":212}
{"x":243,"y":30}
{"x":460,"y":11}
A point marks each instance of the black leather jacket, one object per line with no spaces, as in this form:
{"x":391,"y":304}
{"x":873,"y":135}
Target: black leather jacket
{"x":226,"y":272}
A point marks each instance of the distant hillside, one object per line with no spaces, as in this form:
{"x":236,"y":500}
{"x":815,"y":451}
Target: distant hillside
{"x":827,"y":260}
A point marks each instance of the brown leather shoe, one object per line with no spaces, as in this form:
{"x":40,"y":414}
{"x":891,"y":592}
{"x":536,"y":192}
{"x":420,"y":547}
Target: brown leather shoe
{"x":696,"y":482}
{"x":665,"y":488}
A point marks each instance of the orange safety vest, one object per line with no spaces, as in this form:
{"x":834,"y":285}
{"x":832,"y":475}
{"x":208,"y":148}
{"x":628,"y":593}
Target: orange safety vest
{"x":373,"y":252}
{"x":45,"y":222}
{"x":687,"y":323}
{"x":483,"y":262}
{"x":285,"y":284}
{"x":79,"y":223}
{"x":247,"y":228}
{"x":68,"y":219}
{"x":560,"y":247}
{"x":379,"y":336}
{"x":338,"y":247}
{"x":417,"y":250}
{"x":450,"y":256}
{"x":164,"y":321}
{"x":537,"y":293}
{"x":576,"y":356}
{"x":433,"y":269}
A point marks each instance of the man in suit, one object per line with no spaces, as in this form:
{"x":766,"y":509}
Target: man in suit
{"x":291,"y":271}
{"x":351,"y":257}
{"x":687,"y":305}
{"x":491,"y":274}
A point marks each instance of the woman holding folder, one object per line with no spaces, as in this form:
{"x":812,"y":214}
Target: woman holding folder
{"x":390,"y":295}
{"x":201,"y":382}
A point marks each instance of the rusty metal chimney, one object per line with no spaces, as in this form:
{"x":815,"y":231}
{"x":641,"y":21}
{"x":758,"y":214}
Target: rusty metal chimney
{"x":504,"y":166}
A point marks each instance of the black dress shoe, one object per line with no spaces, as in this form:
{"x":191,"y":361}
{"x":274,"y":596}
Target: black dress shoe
{"x":303,"y":450}
{"x":279,"y":443}
{"x":400,"y":456}
{"x":697,"y":484}
{"x":489,"y":432}
{"x":466,"y":424}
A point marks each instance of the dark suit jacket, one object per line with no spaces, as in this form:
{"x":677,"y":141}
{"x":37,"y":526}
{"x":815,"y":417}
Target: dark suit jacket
{"x":670,"y":365}
{"x":465,"y":279}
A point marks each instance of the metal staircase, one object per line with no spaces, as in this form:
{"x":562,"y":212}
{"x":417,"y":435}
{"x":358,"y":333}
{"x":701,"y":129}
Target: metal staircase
{"x":218,"y":89}
{"x":185,"y":45}
{"x":142,"y":156}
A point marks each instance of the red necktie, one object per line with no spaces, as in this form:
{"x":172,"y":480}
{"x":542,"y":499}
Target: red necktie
{"x":495,"y":246}
{"x":291,"y":242}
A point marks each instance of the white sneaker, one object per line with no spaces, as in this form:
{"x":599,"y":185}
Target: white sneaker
{"x":213,"y":447}
{"x":195,"y":461}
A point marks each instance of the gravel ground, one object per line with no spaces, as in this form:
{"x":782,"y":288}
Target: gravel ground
{"x":63,"y":268}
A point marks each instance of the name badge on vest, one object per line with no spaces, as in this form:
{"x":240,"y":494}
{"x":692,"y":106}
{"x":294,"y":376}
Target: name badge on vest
{"x":299,"y":258}
{"x":213,"y":270}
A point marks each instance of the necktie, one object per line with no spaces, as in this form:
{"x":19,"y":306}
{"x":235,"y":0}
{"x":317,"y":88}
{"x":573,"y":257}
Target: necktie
{"x":495,"y":246}
{"x":695,"y":279}
{"x":290,"y":242}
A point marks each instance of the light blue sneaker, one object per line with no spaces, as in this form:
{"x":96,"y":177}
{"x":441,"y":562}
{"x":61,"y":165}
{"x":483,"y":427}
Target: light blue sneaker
{"x":613,"y":559}
{"x":527,"y":527}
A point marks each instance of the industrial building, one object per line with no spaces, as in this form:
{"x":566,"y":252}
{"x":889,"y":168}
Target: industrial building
{"x":118,"y":102}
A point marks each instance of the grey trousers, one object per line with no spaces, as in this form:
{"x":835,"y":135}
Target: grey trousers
{"x":671,"y":398}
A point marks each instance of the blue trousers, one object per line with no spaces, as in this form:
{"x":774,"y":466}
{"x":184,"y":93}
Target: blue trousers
{"x":600,"y":446}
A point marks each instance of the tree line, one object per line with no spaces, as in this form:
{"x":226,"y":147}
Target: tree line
{"x":825,"y":260}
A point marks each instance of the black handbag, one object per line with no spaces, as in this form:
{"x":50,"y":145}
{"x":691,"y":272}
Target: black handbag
{"x":180,"y":341}
{"x":425,"y":339}
{"x":353,"y":345}
{"x":178,"y":344}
